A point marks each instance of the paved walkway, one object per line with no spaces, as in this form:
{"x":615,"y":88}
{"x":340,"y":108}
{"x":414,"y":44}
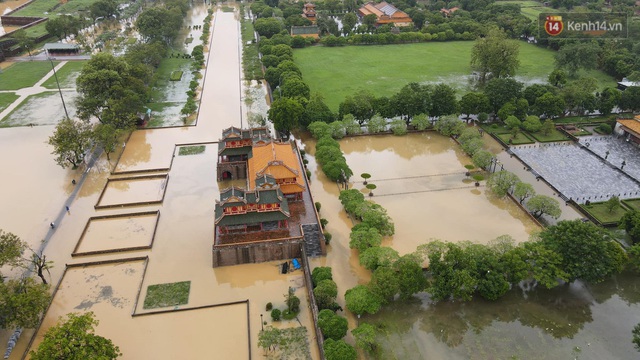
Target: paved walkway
{"x":577,"y":173}
{"x":24,"y":93}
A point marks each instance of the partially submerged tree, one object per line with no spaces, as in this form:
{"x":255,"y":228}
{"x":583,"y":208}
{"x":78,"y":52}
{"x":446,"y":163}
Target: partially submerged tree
{"x":544,"y":205}
{"x":70,"y":140}
{"x":74,"y":338}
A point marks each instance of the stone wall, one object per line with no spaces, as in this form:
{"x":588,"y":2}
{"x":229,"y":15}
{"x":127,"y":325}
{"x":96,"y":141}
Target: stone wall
{"x":257,"y":252}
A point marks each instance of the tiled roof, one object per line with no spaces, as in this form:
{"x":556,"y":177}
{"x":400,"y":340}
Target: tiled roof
{"x":275,"y":159}
{"x":631,"y":124}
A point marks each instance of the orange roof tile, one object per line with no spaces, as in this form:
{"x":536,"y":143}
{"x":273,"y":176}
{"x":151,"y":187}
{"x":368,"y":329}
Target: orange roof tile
{"x":278,"y":160}
{"x":631,"y":124}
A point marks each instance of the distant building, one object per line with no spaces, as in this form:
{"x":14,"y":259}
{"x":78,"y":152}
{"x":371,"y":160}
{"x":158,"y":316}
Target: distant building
{"x":309,"y":12}
{"x":629,"y":128}
{"x":306,"y":31}
{"x":622,"y":85}
{"x":60,"y":49}
{"x":448,"y":12}
{"x":385,"y":14}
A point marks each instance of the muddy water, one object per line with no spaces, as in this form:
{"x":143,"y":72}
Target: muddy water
{"x":420,"y":179}
{"x":118,"y":233}
{"x":577,"y":321}
{"x":129,"y":191}
{"x":195,"y":16}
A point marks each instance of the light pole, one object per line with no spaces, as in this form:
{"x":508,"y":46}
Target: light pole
{"x":59,"y":90}
{"x":261,"y":322}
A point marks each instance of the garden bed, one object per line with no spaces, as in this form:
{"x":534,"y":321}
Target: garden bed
{"x":605,"y":217}
{"x":554,"y":136}
{"x":164,"y":295}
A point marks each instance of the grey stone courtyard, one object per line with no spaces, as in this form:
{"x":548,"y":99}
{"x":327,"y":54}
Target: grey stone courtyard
{"x":579,"y":174}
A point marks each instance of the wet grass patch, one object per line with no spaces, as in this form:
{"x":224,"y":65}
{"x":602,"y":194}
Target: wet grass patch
{"x":164,"y":295}
{"x":165,"y":114}
{"x":7,"y":99}
{"x":520,"y":139}
{"x":553,"y":136}
{"x":39,"y":109}
{"x":176,"y":75}
{"x":385,"y":69}
{"x":633,"y":204}
{"x":601,"y":213}
{"x":162,"y":78}
{"x":251,"y":65}
{"x":227,"y":9}
{"x":66,"y":75}
{"x":293,"y":343}
{"x":191,"y":150}
{"x":24,"y":74}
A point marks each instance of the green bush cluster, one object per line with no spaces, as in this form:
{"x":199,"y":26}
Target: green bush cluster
{"x":331,"y":159}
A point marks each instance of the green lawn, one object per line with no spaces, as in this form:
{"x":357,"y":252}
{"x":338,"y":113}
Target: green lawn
{"x":163,"y":295}
{"x":48,"y":8}
{"x":582,"y":119}
{"x":531,"y":9}
{"x":632,"y":203}
{"x":6,"y":99}
{"x":23,"y":74}
{"x":66,"y":75}
{"x":555,"y":135}
{"x":384,"y":69}
{"x":520,"y":139}
{"x":602,"y":214}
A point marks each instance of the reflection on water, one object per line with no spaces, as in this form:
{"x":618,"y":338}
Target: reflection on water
{"x":571,"y":321}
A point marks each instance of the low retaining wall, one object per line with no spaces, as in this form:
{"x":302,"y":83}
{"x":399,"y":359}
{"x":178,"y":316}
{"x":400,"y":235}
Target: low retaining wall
{"x":312,"y":302}
{"x":257,"y":252}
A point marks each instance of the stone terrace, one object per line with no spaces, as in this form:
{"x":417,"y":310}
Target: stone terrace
{"x":577,"y":173}
{"x":619,"y":150}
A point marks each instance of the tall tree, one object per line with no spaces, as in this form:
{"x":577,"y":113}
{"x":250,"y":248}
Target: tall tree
{"x":103,"y":9}
{"x":332,"y":326}
{"x":111,"y":90}
{"x":495,"y":56}
{"x":578,"y":55}
{"x":349,"y":20}
{"x":501,"y":91}
{"x":63,"y":26}
{"x":74,"y":338}
{"x":474,"y":103}
{"x":159,"y":24}
{"x":360,"y":300}
{"x":107,"y":137}
{"x":587,"y":251}
{"x":285,"y":113}
{"x":70,"y":140}
{"x":443,"y":101}
{"x":339,"y":350}
{"x":24,"y":41}
{"x":365,"y":335}
{"x":544,"y":205}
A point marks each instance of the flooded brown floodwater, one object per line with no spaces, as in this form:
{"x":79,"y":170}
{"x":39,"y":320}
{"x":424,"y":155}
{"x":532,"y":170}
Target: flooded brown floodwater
{"x":133,"y":190}
{"x":421,"y":181}
{"x":118,"y":233}
{"x":36,"y":189}
{"x":575,"y":321}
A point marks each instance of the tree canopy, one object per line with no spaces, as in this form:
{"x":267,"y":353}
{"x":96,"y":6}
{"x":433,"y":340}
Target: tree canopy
{"x":587,"y":251}
{"x":74,"y":338}
{"x":111,"y":90}
{"x":495,"y":56}
{"x":70,"y":140}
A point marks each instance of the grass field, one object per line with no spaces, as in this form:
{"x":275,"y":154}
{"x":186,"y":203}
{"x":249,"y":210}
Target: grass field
{"x":384,"y":69}
{"x":49,"y":8}
{"x":6,"y":99}
{"x":531,"y":9}
{"x":555,"y":135}
{"x":163,"y":295}
{"x":23,"y":74}
{"x":634,"y":204}
{"x":520,"y":139}
{"x":66,"y":75}
{"x":602,"y":214}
